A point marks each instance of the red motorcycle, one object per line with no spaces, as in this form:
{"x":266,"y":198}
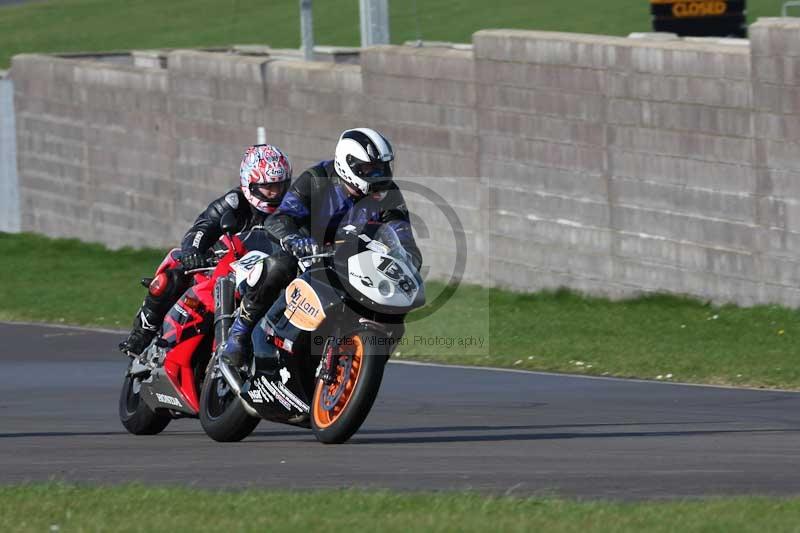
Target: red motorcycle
{"x":163,"y":383}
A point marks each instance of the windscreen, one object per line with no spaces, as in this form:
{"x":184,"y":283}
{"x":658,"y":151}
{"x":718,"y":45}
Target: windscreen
{"x":388,"y":237}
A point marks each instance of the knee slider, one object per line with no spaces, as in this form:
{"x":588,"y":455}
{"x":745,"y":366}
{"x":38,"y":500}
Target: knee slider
{"x":169,"y":283}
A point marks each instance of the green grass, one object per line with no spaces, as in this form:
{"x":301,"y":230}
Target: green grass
{"x":103,"y":25}
{"x":65,"y":508}
{"x":679,"y":339}
{"x":67,"y":281}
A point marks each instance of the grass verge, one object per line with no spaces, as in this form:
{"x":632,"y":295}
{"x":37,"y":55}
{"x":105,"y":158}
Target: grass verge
{"x":657,"y":337}
{"x":57,"y":507}
{"x":102,"y":25}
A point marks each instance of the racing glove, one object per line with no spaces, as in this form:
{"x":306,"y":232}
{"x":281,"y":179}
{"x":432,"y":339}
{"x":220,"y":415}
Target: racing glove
{"x":300,"y":246}
{"x":193,"y":260}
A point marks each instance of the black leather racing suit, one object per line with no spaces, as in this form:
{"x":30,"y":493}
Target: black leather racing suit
{"x":204,"y":233}
{"x":207,"y":229}
{"x":316,"y":205}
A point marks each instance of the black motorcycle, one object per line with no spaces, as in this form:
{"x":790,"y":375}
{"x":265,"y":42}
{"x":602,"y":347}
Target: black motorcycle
{"x":319,"y":353}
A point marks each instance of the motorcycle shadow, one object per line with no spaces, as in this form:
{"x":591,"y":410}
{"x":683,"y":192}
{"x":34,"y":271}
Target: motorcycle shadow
{"x":543,"y":432}
{"x":488,"y":433}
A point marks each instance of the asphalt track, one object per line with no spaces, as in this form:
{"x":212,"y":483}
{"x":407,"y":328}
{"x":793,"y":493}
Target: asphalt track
{"x":432,"y":427}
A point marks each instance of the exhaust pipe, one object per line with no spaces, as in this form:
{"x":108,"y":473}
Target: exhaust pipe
{"x":234,"y":381}
{"x":224,"y":307}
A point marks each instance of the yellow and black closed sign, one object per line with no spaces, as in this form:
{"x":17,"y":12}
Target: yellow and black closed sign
{"x":701,"y":18}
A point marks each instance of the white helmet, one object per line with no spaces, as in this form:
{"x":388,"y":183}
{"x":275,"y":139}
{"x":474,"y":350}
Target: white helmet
{"x":364,"y":160}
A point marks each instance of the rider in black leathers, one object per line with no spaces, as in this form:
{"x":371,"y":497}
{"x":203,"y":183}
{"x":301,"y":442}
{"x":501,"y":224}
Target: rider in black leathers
{"x":354,"y":188}
{"x":264,"y":175}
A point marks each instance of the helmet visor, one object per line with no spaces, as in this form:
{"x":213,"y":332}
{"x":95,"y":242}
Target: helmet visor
{"x":370,"y":169}
{"x":272,"y":193}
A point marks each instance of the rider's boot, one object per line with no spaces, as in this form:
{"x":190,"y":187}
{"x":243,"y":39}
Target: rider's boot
{"x":145,"y":327}
{"x":239,"y":345}
{"x":162,"y":292}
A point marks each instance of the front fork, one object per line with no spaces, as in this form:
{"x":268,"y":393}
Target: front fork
{"x":328,"y":363}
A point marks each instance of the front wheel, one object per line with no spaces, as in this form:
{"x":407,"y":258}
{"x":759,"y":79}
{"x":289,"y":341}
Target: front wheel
{"x":338,"y":409}
{"x":222,"y":414}
{"x":135,"y":414}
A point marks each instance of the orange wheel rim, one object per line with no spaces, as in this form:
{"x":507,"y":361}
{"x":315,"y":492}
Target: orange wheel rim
{"x":326,"y":413}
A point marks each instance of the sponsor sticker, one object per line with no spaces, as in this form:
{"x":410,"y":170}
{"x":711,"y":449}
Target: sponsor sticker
{"x":282,"y":395}
{"x":303,"y":308}
{"x":365,"y":280}
{"x":197,"y":238}
{"x":171,"y":400}
{"x":255,"y":395}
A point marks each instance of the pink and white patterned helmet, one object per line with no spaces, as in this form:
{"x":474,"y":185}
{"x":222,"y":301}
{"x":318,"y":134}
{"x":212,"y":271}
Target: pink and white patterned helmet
{"x":264,"y":165}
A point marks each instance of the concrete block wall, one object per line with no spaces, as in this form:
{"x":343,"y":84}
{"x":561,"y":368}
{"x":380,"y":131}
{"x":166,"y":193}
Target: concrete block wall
{"x":625,"y":165}
{"x":216,"y":103}
{"x":543,"y":137}
{"x":424,"y":101}
{"x":307,"y":106}
{"x":51,"y":152}
{"x":129,"y":155}
{"x":775,"y":63}
{"x":610,"y":165}
{"x":93,"y":149}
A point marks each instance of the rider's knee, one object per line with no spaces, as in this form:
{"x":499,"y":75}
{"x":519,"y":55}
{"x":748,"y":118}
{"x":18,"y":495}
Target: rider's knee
{"x":168,"y":285}
{"x":279,"y":270}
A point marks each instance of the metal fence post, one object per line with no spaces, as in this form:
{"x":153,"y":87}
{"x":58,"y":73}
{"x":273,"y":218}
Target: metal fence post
{"x":9,"y":181}
{"x":307,"y":29}
{"x":374,"y":15}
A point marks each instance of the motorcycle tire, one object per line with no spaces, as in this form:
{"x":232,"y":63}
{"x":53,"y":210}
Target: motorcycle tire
{"x":223,"y":418}
{"x":339,"y":409}
{"x":136,"y":415}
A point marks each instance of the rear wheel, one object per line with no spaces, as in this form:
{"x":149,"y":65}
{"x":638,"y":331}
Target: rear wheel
{"x":135,"y":414}
{"x":338,"y":409}
{"x":222,"y":414}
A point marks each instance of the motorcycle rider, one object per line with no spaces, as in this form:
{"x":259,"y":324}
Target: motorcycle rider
{"x":355,"y":187}
{"x":264,"y":176}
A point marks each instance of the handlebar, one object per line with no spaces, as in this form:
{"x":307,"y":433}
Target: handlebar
{"x":212,"y":263}
{"x":199,"y":270}
{"x":325,"y":250}
{"x":316,"y":256}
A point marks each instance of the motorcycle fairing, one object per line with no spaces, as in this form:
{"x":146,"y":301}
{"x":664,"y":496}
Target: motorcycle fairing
{"x":169,"y":387}
{"x":276,"y":390}
{"x":178,"y":368}
{"x":277,"y":330}
{"x":185,"y":319}
{"x":181,"y":334}
{"x":384,"y":283}
{"x":170,"y":261}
